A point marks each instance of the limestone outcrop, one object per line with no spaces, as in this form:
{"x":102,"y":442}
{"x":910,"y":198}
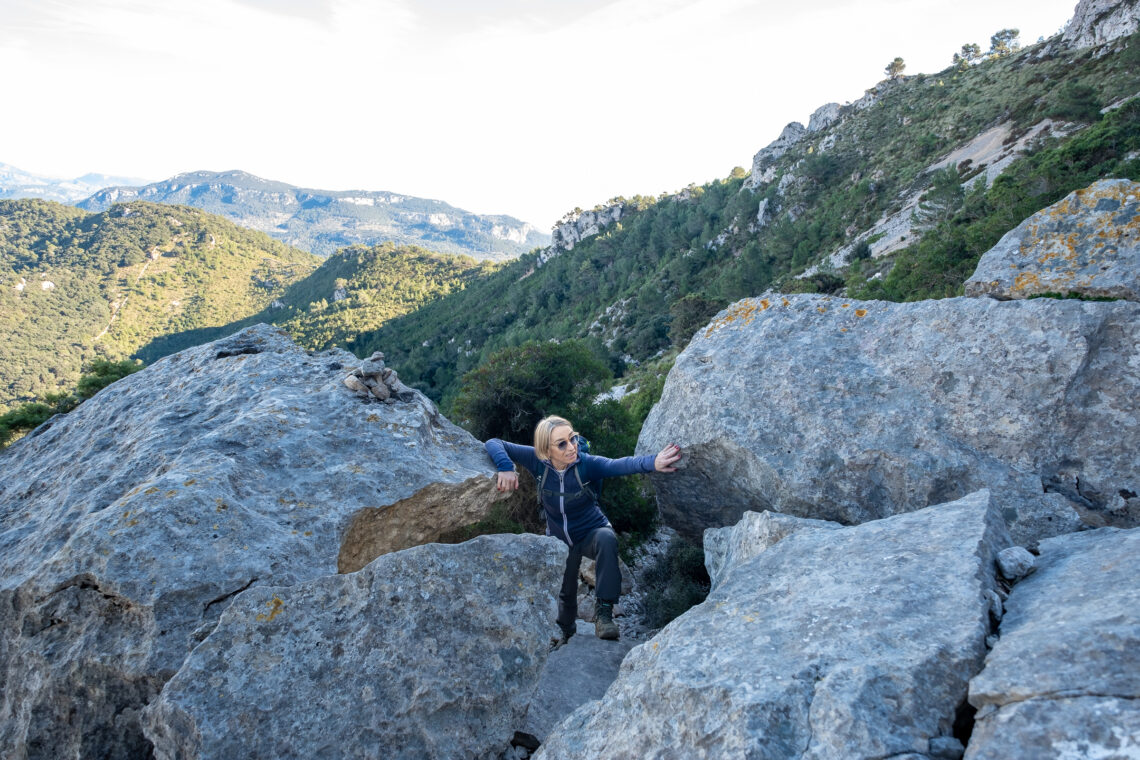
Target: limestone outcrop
{"x":851,"y":411}
{"x":1064,"y":678}
{"x":573,"y":230}
{"x":763,"y":160}
{"x":851,"y":642}
{"x":1087,"y":244}
{"x":129,"y":525}
{"x":430,"y":652}
{"x":1096,"y":22}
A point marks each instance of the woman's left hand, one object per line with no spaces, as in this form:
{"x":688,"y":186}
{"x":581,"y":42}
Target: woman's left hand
{"x":665,"y":460}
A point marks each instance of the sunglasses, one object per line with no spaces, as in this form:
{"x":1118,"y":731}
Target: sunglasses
{"x":561,"y":445}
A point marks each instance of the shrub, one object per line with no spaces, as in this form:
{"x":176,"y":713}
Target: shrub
{"x":677,"y":582}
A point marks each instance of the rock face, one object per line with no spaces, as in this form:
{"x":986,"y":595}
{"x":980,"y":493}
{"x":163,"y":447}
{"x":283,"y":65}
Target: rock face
{"x":792,"y":134}
{"x":1064,"y":679}
{"x":574,"y":230}
{"x":856,"y":642}
{"x":1087,"y":244}
{"x":392,"y":661}
{"x":725,"y":548}
{"x":824,"y":117}
{"x":128,"y":525}
{"x":851,"y":411}
{"x":1095,"y":22}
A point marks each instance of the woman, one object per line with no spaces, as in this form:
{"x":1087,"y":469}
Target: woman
{"x":568,"y":484}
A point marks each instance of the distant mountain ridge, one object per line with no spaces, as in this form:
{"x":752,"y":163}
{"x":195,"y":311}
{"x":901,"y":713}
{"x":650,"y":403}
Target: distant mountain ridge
{"x":16,"y":183}
{"x":322,"y":221}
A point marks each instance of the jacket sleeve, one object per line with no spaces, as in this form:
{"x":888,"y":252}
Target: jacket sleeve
{"x":506,"y":455}
{"x":602,"y":467}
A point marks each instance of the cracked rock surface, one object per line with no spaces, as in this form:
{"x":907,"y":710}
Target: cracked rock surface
{"x":843,"y":643}
{"x":130,"y":524}
{"x":392,"y":661}
{"x":1064,"y":678}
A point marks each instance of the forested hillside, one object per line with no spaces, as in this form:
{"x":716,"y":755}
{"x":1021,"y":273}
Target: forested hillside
{"x":76,"y":286}
{"x":144,"y":280}
{"x":819,"y":217}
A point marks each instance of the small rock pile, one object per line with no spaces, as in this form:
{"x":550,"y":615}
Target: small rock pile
{"x":372,"y":378}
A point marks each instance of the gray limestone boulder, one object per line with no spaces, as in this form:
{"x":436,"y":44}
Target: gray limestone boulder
{"x":1064,"y":678}
{"x":852,"y":411}
{"x":129,"y":525}
{"x":725,"y":548}
{"x":392,"y":661}
{"x":850,"y":643}
{"x":1086,"y":244}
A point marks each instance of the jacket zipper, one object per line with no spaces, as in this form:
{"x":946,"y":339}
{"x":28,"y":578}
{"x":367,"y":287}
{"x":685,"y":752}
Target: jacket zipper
{"x":562,"y":507}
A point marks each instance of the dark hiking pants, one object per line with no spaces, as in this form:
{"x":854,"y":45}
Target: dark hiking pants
{"x":600,"y":545}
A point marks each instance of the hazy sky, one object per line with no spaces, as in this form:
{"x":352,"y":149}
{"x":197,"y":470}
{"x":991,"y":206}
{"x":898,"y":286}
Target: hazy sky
{"x":519,"y":107}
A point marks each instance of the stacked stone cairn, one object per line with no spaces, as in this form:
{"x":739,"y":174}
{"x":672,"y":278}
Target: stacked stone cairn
{"x":372,"y":378}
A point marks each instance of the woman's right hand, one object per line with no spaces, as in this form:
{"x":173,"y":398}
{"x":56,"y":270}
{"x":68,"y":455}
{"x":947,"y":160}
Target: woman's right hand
{"x":507,"y":481}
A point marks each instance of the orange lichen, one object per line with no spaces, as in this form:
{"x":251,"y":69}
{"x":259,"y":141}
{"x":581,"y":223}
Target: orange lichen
{"x":860,"y":312}
{"x":743,"y":312}
{"x":275,"y":606}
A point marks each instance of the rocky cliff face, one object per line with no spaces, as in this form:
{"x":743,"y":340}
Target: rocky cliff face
{"x":1096,"y":22}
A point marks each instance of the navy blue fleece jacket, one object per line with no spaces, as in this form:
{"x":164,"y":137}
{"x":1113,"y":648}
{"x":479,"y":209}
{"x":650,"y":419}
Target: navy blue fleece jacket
{"x":571,"y":510}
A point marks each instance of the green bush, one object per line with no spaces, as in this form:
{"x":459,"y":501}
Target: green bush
{"x":677,"y":582}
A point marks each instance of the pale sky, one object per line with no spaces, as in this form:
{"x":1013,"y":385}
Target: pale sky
{"x":519,"y":107}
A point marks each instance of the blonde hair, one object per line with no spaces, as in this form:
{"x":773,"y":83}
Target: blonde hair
{"x":543,"y":432}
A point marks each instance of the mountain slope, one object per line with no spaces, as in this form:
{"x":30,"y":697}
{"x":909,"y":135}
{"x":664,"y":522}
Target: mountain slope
{"x":16,"y":183}
{"x":322,"y":221}
{"x":75,"y":286}
{"x":820,"y":213}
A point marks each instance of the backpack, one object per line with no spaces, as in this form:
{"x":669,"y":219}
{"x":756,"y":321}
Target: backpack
{"x":595,"y":492}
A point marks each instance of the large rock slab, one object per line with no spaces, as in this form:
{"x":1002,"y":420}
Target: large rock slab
{"x":848,"y":643}
{"x":128,"y":525}
{"x":1086,"y":244}
{"x":727,"y":547}
{"x":1064,"y":679}
{"x":431,"y":652}
{"x":577,"y":672}
{"x":851,"y":411}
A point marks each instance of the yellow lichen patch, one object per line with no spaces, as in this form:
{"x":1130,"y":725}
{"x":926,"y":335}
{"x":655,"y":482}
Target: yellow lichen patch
{"x":190,"y":482}
{"x":860,"y":312}
{"x":744,"y":311}
{"x":372,"y":418}
{"x":170,"y":493}
{"x":150,"y":490}
{"x":275,"y":606}
{"x":846,"y":306}
{"x":764,"y":304}
{"x":821,"y":310}
{"x":221,"y":506}
{"x":787,"y":302}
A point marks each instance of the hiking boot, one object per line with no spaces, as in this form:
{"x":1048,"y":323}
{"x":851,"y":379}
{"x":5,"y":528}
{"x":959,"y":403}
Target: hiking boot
{"x":604,"y":626}
{"x":557,"y":642}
